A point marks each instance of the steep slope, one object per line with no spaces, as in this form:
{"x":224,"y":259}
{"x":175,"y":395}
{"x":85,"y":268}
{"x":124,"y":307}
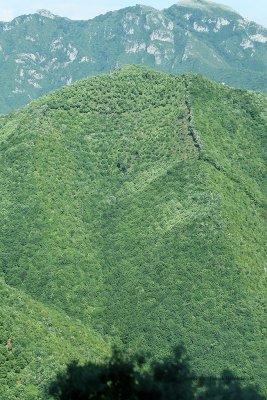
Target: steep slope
{"x":36,"y":342}
{"x":221,"y":44}
{"x":41,"y":52}
{"x":135,"y":202}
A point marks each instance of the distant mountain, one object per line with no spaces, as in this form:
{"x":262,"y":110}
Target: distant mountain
{"x":134,"y":204}
{"x":41,"y":52}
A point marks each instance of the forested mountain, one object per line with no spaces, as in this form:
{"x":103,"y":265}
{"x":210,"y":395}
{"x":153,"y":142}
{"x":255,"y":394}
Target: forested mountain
{"x":41,"y":52}
{"x":133,"y":205}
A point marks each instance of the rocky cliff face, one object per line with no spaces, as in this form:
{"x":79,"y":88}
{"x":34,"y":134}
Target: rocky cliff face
{"x":41,"y":52}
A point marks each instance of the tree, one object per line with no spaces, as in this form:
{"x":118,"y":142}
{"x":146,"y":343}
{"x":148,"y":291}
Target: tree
{"x":129,"y":378}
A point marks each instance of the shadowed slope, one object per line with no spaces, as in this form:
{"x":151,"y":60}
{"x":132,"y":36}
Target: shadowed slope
{"x":122,"y":377}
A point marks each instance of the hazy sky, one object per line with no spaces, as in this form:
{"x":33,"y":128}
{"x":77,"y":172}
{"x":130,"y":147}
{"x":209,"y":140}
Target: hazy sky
{"x":255,"y":10}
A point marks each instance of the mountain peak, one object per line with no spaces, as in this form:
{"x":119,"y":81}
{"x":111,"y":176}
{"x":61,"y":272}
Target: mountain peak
{"x":203,"y":4}
{"x":46,"y":13}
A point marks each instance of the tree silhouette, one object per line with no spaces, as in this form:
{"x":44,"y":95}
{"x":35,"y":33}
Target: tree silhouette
{"x":172,"y":376}
{"x":129,"y":378}
{"x":228,"y":388}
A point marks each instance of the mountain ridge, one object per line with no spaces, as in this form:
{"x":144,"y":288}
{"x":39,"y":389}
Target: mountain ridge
{"x":204,"y":4}
{"x":181,"y":3}
{"x":39,"y":53}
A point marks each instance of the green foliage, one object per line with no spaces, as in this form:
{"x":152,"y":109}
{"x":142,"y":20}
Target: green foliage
{"x":134,"y":203}
{"x":36,"y":342}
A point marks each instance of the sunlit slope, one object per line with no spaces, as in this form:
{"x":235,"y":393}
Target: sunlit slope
{"x":135,"y":201}
{"x":36,"y":342}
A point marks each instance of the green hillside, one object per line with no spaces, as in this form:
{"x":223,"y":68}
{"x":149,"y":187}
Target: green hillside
{"x":134,"y":202}
{"x":36,"y":342}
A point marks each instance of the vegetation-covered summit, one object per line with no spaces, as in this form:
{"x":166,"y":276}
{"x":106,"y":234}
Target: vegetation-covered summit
{"x":134,"y":203}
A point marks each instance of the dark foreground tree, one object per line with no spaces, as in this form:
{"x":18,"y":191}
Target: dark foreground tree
{"x":227,"y":388}
{"x":129,"y":378}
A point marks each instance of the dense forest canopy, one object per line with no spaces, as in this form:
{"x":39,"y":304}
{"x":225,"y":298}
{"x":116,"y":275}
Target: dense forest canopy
{"x":133,"y":212}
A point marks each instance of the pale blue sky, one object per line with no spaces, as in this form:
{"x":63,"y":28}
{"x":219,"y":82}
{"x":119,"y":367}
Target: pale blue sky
{"x":255,"y":10}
